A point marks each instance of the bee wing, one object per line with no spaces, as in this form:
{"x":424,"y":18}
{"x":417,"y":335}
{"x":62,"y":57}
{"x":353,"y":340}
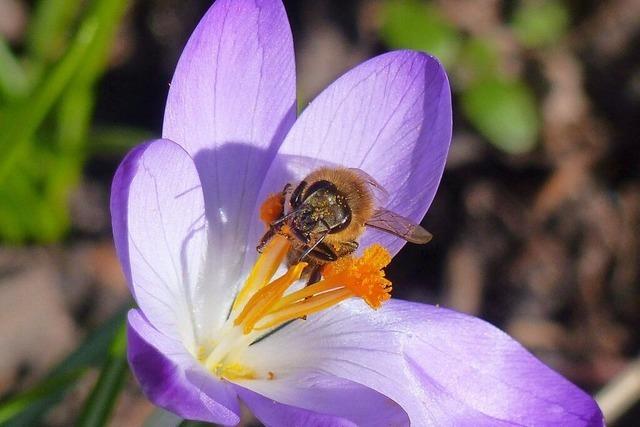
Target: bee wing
{"x":380,"y":194}
{"x":400,"y":226}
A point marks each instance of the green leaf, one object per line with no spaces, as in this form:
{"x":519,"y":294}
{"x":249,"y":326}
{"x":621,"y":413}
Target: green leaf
{"x":504,"y":112}
{"x":101,"y":401}
{"x":478,"y":59}
{"x":413,"y":24}
{"x":540,"y":23}
{"x":28,"y":408}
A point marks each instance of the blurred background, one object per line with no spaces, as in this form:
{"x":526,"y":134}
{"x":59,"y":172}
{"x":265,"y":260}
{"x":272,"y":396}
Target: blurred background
{"x":536,"y":223}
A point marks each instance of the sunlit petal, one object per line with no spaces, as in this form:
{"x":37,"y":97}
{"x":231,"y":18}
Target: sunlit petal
{"x":160,"y":233}
{"x":231,"y":102}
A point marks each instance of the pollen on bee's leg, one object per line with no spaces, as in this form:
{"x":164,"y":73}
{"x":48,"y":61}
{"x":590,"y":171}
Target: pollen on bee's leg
{"x":272,"y":208}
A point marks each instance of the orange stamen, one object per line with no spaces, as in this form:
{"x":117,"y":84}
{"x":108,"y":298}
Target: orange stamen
{"x":345,"y":278}
{"x":348,"y":277}
{"x":364,"y":276}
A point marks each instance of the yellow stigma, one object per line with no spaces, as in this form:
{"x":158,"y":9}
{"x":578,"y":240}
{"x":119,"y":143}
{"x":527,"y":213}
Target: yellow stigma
{"x":235,"y":371}
{"x":263,"y":300}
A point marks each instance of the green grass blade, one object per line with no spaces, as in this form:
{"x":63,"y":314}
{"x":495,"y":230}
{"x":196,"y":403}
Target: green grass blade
{"x":49,"y":28}
{"x":21,"y":123}
{"x":74,"y":117}
{"x":109,"y":14}
{"x":13,"y":81}
{"x":102,"y":399}
{"x":48,"y":387}
{"x":87,"y":53}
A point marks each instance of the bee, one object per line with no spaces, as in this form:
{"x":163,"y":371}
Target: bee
{"x":328,"y":211}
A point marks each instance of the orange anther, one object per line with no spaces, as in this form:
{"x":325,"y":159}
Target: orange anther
{"x":363,"y":276}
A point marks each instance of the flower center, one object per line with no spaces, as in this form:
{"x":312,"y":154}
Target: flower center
{"x":263,"y":304}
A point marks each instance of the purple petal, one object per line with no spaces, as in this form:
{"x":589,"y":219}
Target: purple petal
{"x":272,"y":413}
{"x":441,"y":367}
{"x":305,"y":397}
{"x":231,"y":102}
{"x":172,"y":379}
{"x":160,"y":233}
{"x":391,"y":117}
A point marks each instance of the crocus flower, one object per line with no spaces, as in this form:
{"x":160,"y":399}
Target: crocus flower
{"x":209,"y":331}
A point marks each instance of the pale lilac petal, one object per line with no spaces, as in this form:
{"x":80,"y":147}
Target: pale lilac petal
{"x":391,"y":117}
{"x":231,"y":102}
{"x":310,"y":394}
{"x":160,"y":233}
{"x":172,"y":379}
{"x":441,"y":367}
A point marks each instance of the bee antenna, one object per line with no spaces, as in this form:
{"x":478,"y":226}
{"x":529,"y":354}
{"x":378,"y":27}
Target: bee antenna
{"x":287,"y":216}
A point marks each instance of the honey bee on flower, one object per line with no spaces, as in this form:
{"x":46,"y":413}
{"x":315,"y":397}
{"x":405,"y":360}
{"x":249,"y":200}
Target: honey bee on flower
{"x":326,"y":213}
{"x":218,"y":323}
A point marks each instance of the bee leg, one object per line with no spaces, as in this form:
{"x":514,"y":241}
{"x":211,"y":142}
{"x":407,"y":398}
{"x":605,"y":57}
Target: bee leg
{"x":324,"y":252}
{"x":347,"y":248}
{"x":286,"y":190}
{"x":271,"y":232}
